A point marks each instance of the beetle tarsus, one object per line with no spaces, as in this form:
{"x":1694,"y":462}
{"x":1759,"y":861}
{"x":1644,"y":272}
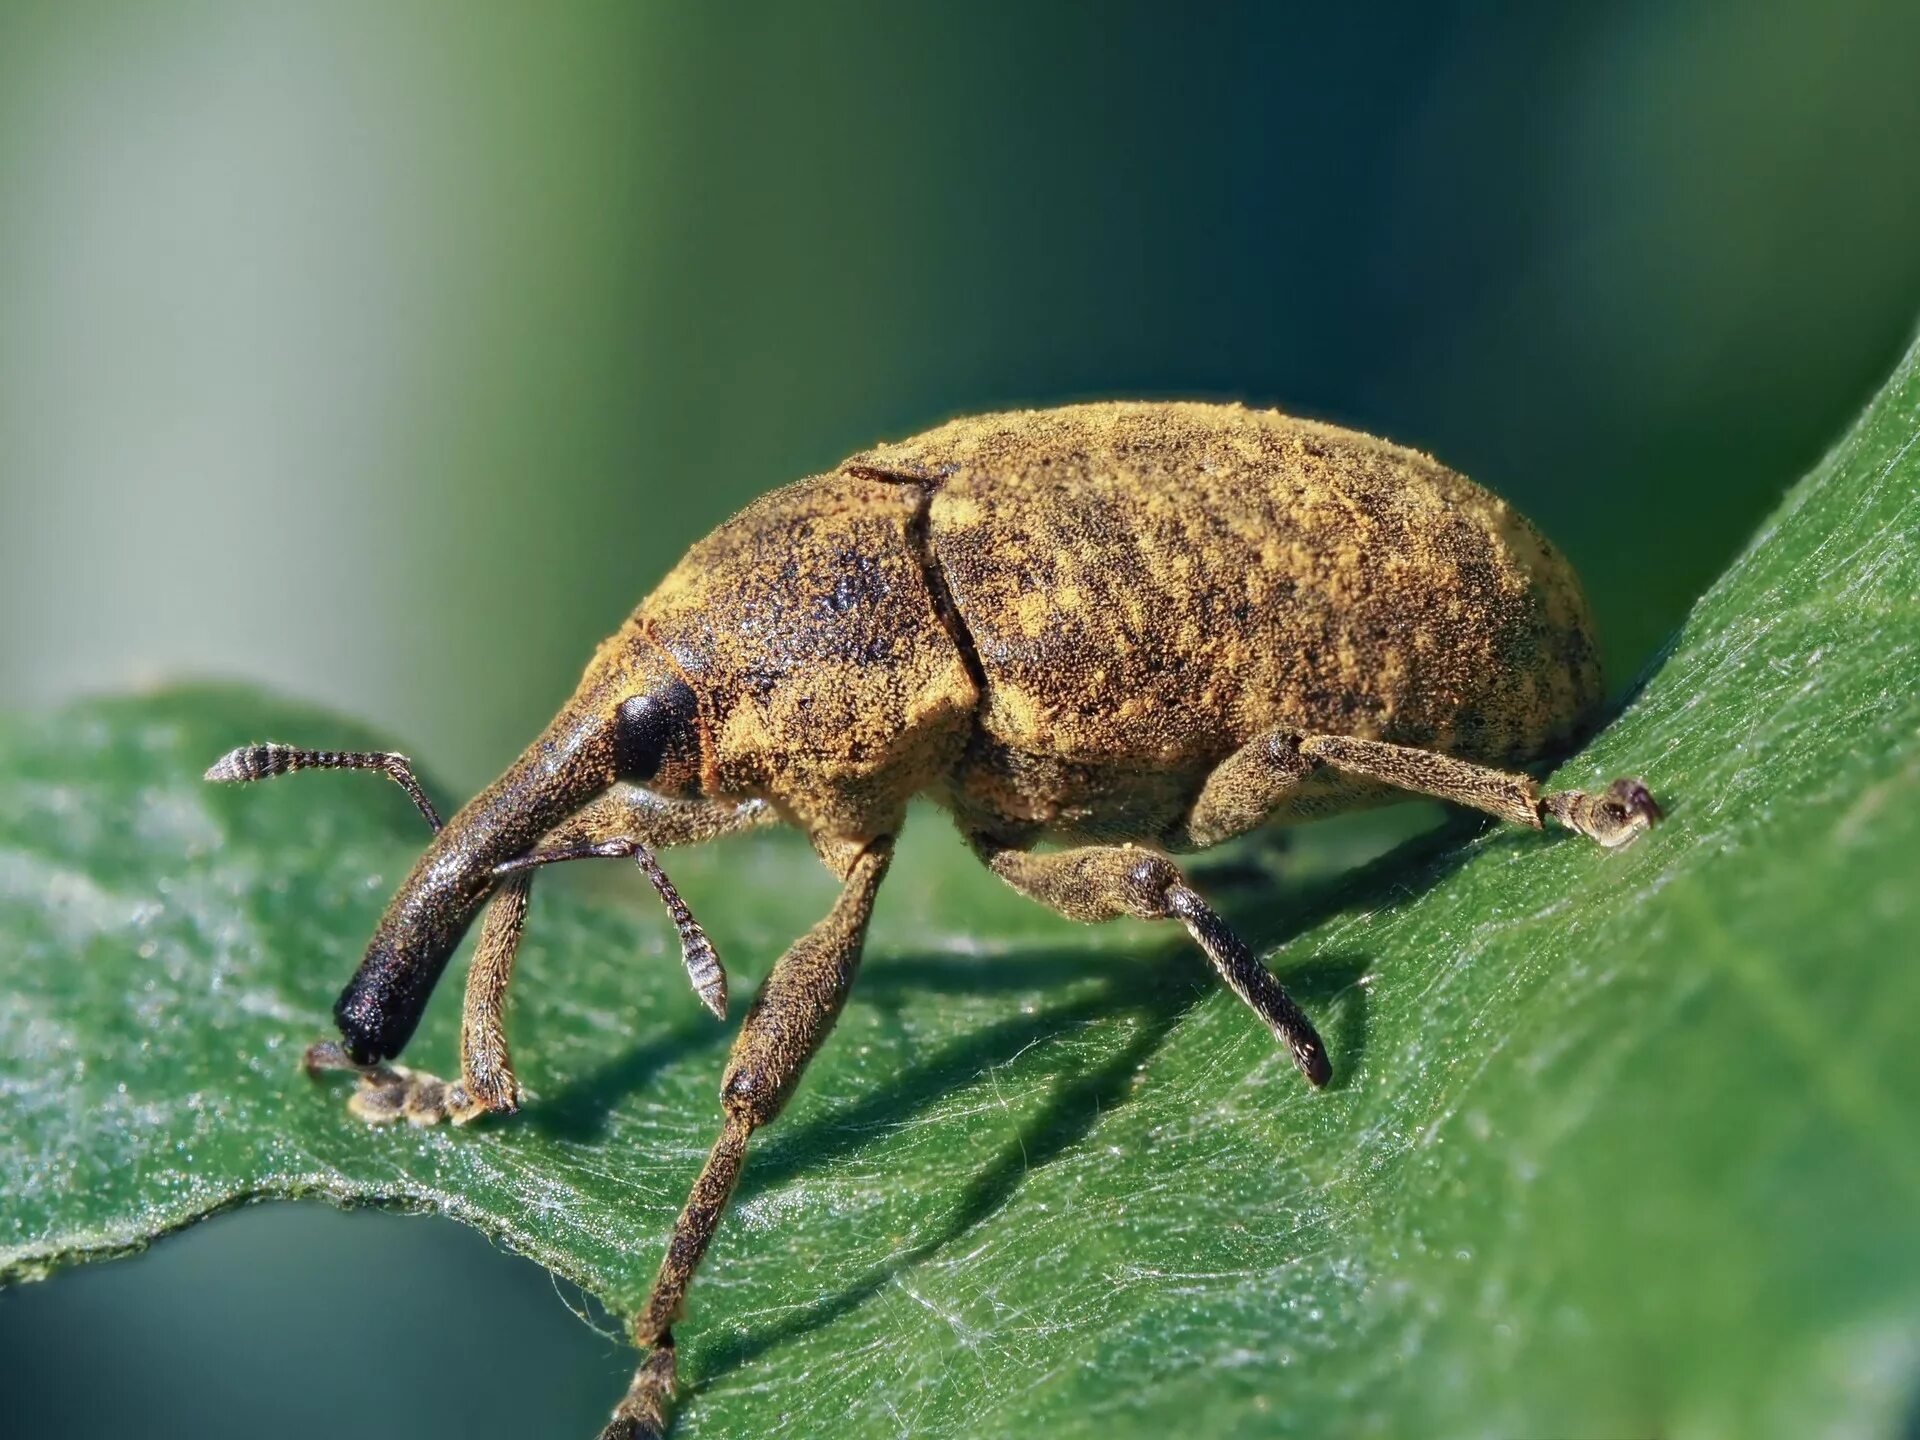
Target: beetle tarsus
{"x":646,"y":1409}
{"x":325,"y":1055}
{"x":387,"y":1093}
{"x":394,"y":1092}
{"x":1615,"y":817}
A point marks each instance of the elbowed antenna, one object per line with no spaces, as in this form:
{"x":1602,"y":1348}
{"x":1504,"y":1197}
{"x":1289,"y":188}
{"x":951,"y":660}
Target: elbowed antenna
{"x":704,"y":971}
{"x":263,"y":762}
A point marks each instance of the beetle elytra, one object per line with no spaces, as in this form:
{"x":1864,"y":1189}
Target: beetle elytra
{"x":1129,"y":629}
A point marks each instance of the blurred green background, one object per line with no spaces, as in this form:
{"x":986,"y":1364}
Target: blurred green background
{"x":388,"y":353}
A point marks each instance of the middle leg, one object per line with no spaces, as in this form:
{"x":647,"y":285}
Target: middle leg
{"x":1099,"y":882}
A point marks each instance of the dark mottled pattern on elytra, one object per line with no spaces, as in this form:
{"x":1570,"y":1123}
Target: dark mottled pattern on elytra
{"x":1150,"y":586}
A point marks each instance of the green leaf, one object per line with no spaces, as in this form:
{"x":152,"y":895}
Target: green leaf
{"x":1620,"y":1144}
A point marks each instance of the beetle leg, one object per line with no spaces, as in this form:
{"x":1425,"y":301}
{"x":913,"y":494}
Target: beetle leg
{"x":623,"y":822}
{"x":1242,"y":791}
{"x":1614,"y":817}
{"x":486,"y":1069}
{"x":389,"y":1092}
{"x":1099,"y":882}
{"x":606,"y":826}
{"x":790,"y":1017}
{"x":398,"y":1092}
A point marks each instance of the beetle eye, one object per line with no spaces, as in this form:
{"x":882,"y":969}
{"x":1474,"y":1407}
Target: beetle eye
{"x":646,"y":727}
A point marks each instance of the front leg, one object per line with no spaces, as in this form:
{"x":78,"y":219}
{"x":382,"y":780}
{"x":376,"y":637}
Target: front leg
{"x":387,"y":1093}
{"x":629,"y":816}
{"x":790,"y":1017}
{"x":393,"y":1092}
{"x":626,"y":821}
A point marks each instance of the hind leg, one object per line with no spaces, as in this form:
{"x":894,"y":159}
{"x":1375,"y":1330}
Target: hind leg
{"x":1248,"y":785}
{"x":1613,"y":818}
{"x":1243,"y":791}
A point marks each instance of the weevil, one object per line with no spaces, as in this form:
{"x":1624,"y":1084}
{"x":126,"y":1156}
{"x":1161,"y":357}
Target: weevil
{"x":1123,"y":630}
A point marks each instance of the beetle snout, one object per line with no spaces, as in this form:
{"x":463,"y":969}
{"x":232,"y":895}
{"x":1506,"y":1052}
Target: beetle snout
{"x":423,"y":926}
{"x":567,"y":766}
{"x":384,"y":1001}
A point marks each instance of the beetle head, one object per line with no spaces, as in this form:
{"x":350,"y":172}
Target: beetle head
{"x":633,"y":718}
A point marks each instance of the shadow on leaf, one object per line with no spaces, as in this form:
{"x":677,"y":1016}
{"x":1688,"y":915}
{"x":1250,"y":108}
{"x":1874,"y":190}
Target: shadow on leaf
{"x":1171,"y":977}
{"x":1156,"y":993}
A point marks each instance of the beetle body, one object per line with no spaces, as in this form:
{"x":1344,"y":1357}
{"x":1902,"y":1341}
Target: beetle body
{"x":1135,"y":628}
{"x":1059,"y":622}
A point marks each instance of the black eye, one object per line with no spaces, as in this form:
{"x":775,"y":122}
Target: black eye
{"x":648,"y":726}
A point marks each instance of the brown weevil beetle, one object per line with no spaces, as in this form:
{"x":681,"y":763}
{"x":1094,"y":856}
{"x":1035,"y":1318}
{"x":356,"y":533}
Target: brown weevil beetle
{"x":1133,"y":629}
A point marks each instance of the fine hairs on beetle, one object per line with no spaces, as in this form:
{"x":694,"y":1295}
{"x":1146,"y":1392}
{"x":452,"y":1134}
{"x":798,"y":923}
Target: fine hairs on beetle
{"x":1129,"y":630}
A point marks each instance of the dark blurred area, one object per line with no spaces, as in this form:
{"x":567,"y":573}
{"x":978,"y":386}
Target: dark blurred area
{"x":387,"y":354}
